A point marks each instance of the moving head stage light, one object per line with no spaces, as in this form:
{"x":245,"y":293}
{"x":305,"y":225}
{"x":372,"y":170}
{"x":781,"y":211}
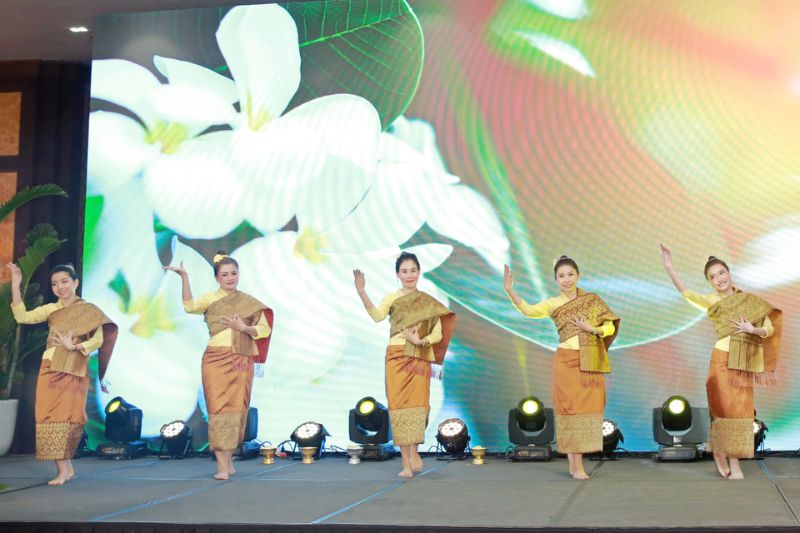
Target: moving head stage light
{"x":369,"y":426}
{"x":531,"y":426}
{"x":124,"y":428}
{"x":679,"y":428}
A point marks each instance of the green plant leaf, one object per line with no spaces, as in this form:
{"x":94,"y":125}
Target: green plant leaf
{"x":373,"y":49}
{"x":27,"y":195}
{"x":35,"y":255}
{"x":43,"y":229}
{"x":33,"y":341}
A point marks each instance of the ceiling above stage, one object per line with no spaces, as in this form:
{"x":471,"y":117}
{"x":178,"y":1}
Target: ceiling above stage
{"x":38,"y":29}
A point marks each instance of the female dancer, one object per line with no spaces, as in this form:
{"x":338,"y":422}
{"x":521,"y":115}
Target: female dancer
{"x":421,"y":329}
{"x":240,"y":327}
{"x":76,"y":329}
{"x":746,"y":352}
{"x":586,"y":328}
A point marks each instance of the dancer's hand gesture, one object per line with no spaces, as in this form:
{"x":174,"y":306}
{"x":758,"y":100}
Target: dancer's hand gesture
{"x":508,"y":278}
{"x":177,"y":269}
{"x":359,"y":280}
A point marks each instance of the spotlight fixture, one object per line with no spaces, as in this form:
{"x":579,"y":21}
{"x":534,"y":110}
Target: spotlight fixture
{"x":83,"y":447}
{"x":759,"y":430}
{"x":124,"y":428}
{"x":679,"y":428}
{"x":612,"y":436}
{"x":453,"y":438}
{"x":369,"y":425}
{"x":249,"y":448}
{"x":177,"y":437}
{"x":310,"y":435}
{"x":531,"y":427}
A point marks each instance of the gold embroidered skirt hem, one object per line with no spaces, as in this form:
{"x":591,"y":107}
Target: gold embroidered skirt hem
{"x":579,"y":433}
{"x":733,"y":436}
{"x":408,"y":425}
{"x":226,"y":431}
{"x":57,"y":441}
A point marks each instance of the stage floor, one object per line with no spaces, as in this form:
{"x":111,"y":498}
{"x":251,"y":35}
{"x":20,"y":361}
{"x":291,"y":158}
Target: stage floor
{"x":630,"y":492}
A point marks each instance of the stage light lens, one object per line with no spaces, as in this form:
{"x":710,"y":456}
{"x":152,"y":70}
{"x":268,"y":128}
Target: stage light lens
{"x":756,"y":427}
{"x":609,"y":428}
{"x":676,"y":406}
{"x":172,"y":429}
{"x":113,"y":406}
{"x":451,"y":428}
{"x":366,"y":406}
{"x":530,"y":407}
{"x":307,"y":430}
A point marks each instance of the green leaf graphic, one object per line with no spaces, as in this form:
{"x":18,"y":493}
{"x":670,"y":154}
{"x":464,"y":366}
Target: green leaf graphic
{"x":370,"y":48}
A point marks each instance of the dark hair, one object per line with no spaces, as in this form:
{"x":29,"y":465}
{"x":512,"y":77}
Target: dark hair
{"x":564,"y":260}
{"x":67,"y":267}
{"x":406,"y":256}
{"x":226,"y":260}
{"x":714,"y":261}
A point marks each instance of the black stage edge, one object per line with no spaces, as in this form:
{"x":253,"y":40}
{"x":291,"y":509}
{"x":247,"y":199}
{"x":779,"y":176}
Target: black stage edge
{"x":176,"y":496}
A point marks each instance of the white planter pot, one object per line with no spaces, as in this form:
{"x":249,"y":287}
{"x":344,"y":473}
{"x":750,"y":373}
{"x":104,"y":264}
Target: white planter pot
{"x":8,"y":421}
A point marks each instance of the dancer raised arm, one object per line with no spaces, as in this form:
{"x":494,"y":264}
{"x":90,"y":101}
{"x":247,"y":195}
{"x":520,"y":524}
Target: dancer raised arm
{"x":186,"y":289}
{"x":666,"y":258}
{"x":361,"y":283}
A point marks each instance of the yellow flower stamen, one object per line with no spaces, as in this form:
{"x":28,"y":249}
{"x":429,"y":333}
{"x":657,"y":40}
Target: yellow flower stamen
{"x":169,"y":134}
{"x":153,"y":316}
{"x":255,"y":119}
{"x":310,"y":244}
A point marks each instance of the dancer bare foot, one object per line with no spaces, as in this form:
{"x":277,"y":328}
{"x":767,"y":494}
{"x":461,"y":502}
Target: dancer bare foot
{"x":231,"y":470}
{"x":416,"y":464}
{"x":580,"y":474}
{"x":736,"y":470}
{"x":58,"y":480}
{"x":406,"y":473}
{"x":222,"y":476}
{"x":722,"y":465}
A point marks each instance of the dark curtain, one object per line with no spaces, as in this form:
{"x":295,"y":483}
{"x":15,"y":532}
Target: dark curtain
{"x":53,"y":140}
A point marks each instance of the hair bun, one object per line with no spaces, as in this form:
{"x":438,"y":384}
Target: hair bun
{"x":712,"y":257}
{"x":221,"y":254}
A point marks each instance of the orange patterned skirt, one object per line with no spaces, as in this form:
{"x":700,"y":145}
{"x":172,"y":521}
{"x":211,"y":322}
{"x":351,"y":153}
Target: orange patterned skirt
{"x":732,"y":410}
{"x":60,"y":413}
{"x":227,"y":384}
{"x":579,"y":401}
{"x":408,"y":389}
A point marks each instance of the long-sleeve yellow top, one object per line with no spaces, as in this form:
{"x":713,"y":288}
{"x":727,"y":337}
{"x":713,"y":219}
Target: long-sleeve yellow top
{"x":198,"y":306}
{"x":381,"y":311}
{"x":545,"y":308}
{"x":704,"y":301}
{"x":41,"y":313}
